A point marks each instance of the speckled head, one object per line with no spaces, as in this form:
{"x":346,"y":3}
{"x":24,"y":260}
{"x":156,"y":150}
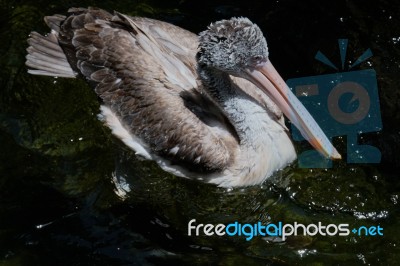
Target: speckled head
{"x":232,"y":45}
{"x":238,"y":47}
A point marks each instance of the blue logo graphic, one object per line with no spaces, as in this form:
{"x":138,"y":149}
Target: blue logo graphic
{"x":343,"y":104}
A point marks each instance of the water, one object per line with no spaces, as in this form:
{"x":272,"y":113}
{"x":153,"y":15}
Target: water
{"x":58,"y":204}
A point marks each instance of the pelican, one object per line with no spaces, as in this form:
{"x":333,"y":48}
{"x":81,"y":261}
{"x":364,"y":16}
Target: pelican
{"x":207,"y":107}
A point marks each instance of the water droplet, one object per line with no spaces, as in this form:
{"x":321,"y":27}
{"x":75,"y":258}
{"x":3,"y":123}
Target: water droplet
{"x":394,"y":199}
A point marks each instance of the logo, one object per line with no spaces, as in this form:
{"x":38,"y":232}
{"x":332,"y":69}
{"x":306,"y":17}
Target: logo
{"x":281,"y":230}
{"x":343,"y":104}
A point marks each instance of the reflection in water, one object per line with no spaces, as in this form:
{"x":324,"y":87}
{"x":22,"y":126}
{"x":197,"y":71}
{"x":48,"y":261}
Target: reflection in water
{"x":58,"y":202}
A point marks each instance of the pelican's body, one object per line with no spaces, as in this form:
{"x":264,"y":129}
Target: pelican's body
{"x":165,"y":95}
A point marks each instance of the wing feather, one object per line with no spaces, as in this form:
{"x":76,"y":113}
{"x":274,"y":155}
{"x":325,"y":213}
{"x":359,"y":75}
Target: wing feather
{"x":145,"y":72}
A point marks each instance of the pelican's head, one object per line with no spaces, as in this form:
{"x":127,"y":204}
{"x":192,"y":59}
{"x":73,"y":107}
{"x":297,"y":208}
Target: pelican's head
{"x":238,"y":47}
{"x":233,"y":46}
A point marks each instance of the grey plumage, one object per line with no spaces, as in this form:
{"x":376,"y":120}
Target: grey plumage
{"x":201,"y":106}
{"x":46,"y":57}
{"x":112,"y":52}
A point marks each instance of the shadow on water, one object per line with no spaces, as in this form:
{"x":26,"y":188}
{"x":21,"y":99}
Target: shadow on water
{"x":60,"y":168}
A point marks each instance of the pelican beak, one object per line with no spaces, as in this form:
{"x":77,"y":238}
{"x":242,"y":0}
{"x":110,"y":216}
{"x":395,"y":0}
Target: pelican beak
{"x":270,"y":82}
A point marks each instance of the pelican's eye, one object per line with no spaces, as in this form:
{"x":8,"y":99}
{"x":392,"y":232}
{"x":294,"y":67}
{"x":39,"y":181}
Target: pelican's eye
{"x":257,"y":60}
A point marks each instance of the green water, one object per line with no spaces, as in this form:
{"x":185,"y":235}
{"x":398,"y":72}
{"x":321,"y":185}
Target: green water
{"x":58,"y":204}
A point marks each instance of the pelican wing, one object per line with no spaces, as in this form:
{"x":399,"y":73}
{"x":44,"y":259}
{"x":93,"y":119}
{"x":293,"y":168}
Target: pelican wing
{"x":145,"y":73}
